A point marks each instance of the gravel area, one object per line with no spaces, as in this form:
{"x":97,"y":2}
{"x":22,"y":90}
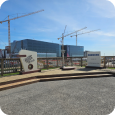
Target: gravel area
{"x":91,"y":96}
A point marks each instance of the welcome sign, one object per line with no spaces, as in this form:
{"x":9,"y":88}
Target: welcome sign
{"x":94,"y":59}
{"x":28,"y":60}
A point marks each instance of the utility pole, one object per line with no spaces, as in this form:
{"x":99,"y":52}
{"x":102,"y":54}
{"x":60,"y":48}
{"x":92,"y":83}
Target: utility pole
{"x":63,"y":51}
{"x":83,"y":33}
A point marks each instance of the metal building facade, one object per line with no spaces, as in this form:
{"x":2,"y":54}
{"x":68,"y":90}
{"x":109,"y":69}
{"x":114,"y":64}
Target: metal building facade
{"x":73,"y":51}
{"x":47,"y":47}
{"x":38,"y":46}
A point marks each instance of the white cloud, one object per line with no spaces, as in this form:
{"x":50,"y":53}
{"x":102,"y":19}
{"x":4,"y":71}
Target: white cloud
{"x":100,"y":36}
{"x":110,"y":34}
{"x":103,"y":8}
{"x":62,"y":20}
{"x":41,"y":29}
{"x":47,"y":40}
{"x":112,"y":46}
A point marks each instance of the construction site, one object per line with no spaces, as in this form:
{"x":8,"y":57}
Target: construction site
{"x":46,"y":49}
{"x":13,"y":48}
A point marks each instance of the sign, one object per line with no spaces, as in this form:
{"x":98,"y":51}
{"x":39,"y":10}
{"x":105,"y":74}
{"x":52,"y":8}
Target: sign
{"x":94,"y":59}
{"x":28,"y":60}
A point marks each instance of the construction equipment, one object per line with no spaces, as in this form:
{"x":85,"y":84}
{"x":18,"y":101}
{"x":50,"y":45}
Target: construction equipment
{"x":63,"y":51}
{"x":72,"y":33}
{"x":83,"y":33}
{"x":14,"y":19}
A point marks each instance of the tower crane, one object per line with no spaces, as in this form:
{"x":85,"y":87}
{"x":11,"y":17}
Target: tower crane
{"x":14,"y":19}
{"x":63,"y":40}
{"x":83,"y":33}
{"x":71,"y":33}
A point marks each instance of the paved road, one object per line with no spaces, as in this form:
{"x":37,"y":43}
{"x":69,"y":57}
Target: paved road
{"x":92,"y":96}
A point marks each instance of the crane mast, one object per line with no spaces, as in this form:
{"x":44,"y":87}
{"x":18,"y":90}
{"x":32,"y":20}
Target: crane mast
{"x":9,"y":31}
{"x":14,"y":19}
{"x":63,"y":38}
{"x":63,"y":51}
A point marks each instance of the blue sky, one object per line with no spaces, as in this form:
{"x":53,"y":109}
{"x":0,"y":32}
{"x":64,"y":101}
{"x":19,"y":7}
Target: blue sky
{"x":49,"y":24}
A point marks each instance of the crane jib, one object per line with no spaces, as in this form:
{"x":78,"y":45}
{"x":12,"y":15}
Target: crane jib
{"x":17,"y":18}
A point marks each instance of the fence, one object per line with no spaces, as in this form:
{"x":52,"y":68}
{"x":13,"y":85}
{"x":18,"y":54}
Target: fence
{"x":14,"y":65}
{"x":10,"y":66}
{"x":57,"y":62}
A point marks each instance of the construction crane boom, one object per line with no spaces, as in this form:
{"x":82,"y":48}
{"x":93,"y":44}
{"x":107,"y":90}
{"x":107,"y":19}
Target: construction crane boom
{"x":22,"y":16}
{"x":72,"y":33}
{"x":65,"y":29}
{"x":85,"y":32}
{"x":14,"y":19}
{"x":63,"y":51}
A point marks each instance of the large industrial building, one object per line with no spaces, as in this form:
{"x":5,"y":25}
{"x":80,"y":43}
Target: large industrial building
{"x":73,"y":51}
{"x":47,"y":49}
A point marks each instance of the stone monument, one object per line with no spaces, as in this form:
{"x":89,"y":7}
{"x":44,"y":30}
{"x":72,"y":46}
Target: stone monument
{"x":29,"y":61}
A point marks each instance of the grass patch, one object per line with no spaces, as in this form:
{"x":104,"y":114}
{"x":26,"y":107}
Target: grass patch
{"x":110,"y":68}
{"x":9,"y":74}
{"x":83,"y":66}
{"x":17,"y":73}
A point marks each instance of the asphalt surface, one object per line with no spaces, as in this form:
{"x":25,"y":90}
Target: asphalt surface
{"x":91,"y":96}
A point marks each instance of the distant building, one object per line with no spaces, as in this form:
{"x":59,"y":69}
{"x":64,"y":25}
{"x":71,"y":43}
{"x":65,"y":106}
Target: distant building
{"x":73,"y":51}
{"x":47,"y":49}
{"x":44,"y":49}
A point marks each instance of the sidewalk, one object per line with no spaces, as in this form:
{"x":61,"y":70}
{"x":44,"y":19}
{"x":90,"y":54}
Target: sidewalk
{"x":52,"y":74}
{"x":49,"y":72}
